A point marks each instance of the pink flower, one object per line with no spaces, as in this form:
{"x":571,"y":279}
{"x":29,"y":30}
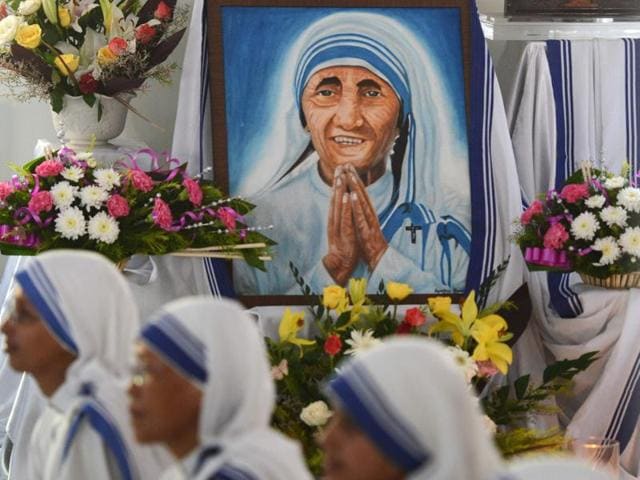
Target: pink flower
{"x":556,"y":236}
{"x":49,"y":168}
{"x":414,"y":317}
{"x":3,"y":10}
{"x":194,"y":191}
{"x":140,"y":180}
{"x":162,"y":214}
{"x":118,"y":46}
{"x":486,"y":368}
{"x":228,"y":216}
{"x":41,"y":202}
{"x":145,"y":33}
{"x":574,"y":192}
{"x":6,"y":189}
{"x":118,"y":206}
{"x":163,"y":12}
{"x":535,"y":208}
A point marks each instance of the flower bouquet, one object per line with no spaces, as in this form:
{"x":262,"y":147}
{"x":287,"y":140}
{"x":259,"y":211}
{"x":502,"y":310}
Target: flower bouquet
{"x":590,"y":226}
{"x":63,"y":200}
{"x":86,"y":47}
{"x":346,"y":322}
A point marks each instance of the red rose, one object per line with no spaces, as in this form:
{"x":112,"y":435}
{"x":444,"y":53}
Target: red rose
{"x":3,"y":10}
{"x":403,"y":328}
{"x":163,"y":12}
{"x":414,"y":317}
{"x":118,"y":46}
{"x":88,"y":84}
{"x":145,"y":33}
{"x":332,"y":345}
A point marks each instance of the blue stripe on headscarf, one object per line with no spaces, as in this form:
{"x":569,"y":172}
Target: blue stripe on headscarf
{"x":173,"y":347}
{"x":359,"y":408}
{"x":40,"y":291}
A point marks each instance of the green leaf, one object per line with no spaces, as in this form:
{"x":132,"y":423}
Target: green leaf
{"x":567,"y":369}
{"x":520,"y":386}
{"x":89,"y":99}
{"x":57,"y":100}
{"x":99,"y":111}
{"x":343,"y":319}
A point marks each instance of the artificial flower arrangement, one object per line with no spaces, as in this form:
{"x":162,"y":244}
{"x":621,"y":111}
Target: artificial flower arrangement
{"x":591,"y":226}
{"x":345,"y":322}
{"x":86,"y":47}
{"x":64,"y":200}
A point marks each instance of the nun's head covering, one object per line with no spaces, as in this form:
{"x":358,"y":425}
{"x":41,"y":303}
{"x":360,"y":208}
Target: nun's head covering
{"x":392,"y":51}
{"x":550,"y":468}
{"x":408,"y":397}
{"x":87,"y":306}
{"x":217,"y":346}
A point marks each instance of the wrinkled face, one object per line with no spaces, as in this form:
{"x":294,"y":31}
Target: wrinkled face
{"x":164,"y":405}
{"x":28,"y":343}
{"x":350,"y":455}
{"x":352,"y":115}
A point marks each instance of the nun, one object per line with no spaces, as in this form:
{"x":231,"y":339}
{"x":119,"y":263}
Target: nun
{"x":71,"y":329}
{"x":403,"y":411}
{"x":360,"y":139}
{"x":203,"y":387}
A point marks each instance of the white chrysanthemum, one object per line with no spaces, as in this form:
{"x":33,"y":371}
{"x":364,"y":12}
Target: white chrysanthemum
{"x":93,"y":196}
{"x":609,"y":248}
{"x":464,"y":361}
{"x":630,"y":198}
{"x":104,"y":228}
{"x":63,"y":194}
{"x":107,"y":178}
{"x":71,"y":223}
{"x":614,"y":182}
{"x":585,"y":226}
{"x":630,"y":241}
{"x":361,"y":341}
{"x":597,"y":201}
{"x":73,"y":173}
{"x":614,"y":216}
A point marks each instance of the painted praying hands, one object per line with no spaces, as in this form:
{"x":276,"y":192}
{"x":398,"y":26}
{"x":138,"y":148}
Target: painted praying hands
{"x":353,"y":229}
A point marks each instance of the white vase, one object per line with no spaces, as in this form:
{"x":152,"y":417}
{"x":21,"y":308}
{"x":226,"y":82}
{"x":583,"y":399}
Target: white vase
{"x":78,"y":125}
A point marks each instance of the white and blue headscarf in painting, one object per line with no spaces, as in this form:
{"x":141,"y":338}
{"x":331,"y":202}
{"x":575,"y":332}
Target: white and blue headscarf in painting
{"x":87,"y":306}
{"x":422,"y":191}
{"x":411,"y":400}
{"x":217,"y":346}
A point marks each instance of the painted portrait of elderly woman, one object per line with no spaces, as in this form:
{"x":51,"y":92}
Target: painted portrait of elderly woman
{"x":347,"y":128}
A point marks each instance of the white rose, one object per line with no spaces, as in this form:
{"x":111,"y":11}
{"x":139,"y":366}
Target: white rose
{"x":316,"y":414}
{"x":27,"y":7}
{"x":614,"y":182}
{"x":8,"y":28}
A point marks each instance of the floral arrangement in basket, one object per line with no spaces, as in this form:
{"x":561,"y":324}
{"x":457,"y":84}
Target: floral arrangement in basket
{"x":591,"y":226}
{"x":86,"y":47}
{"x":345,"y":322}
{"x":63,"y":200}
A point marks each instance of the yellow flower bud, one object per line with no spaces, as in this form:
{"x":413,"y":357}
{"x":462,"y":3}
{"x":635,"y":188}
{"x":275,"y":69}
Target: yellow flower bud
{"x":67,"y":62}
{"x":439,"y":304}
{"x":334,"y":296}
{"x":64,"y":17}
{"x":106,"y":56}
{"x":357,"y":289}
{"x":29,"y":36}
{"x":398,"y":291}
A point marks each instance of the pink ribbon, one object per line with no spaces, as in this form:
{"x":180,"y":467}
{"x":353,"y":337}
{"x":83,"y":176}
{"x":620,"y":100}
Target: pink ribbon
{"x":8,"y":235}
{"x":547,"y":257}
{"x":155,"y":163}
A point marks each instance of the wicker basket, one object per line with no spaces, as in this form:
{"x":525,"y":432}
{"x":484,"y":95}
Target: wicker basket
{"x":619,"y":280}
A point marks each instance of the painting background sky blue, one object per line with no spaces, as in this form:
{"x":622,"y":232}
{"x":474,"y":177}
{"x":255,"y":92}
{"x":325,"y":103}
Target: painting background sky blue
{"x":257,"y":39}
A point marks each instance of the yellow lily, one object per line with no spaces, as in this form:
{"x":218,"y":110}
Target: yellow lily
{"x":458,"y":325}
{"x":107,"y":14}
{"x":289,"y":327}
{"x":490,"y":347}
{"x":357,"y":290}
{"x":398,"y":291}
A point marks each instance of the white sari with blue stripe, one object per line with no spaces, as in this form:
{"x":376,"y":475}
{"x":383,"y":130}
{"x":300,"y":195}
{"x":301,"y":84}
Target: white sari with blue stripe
{"x":576,"y":101}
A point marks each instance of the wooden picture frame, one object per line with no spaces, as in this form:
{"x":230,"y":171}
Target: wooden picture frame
{"x":588,"y":8}
{"x":240,"y":66}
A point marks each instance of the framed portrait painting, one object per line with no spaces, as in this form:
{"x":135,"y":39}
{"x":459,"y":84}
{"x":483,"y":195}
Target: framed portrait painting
{"x":346,"y":123}
{"x":593,"y":8}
